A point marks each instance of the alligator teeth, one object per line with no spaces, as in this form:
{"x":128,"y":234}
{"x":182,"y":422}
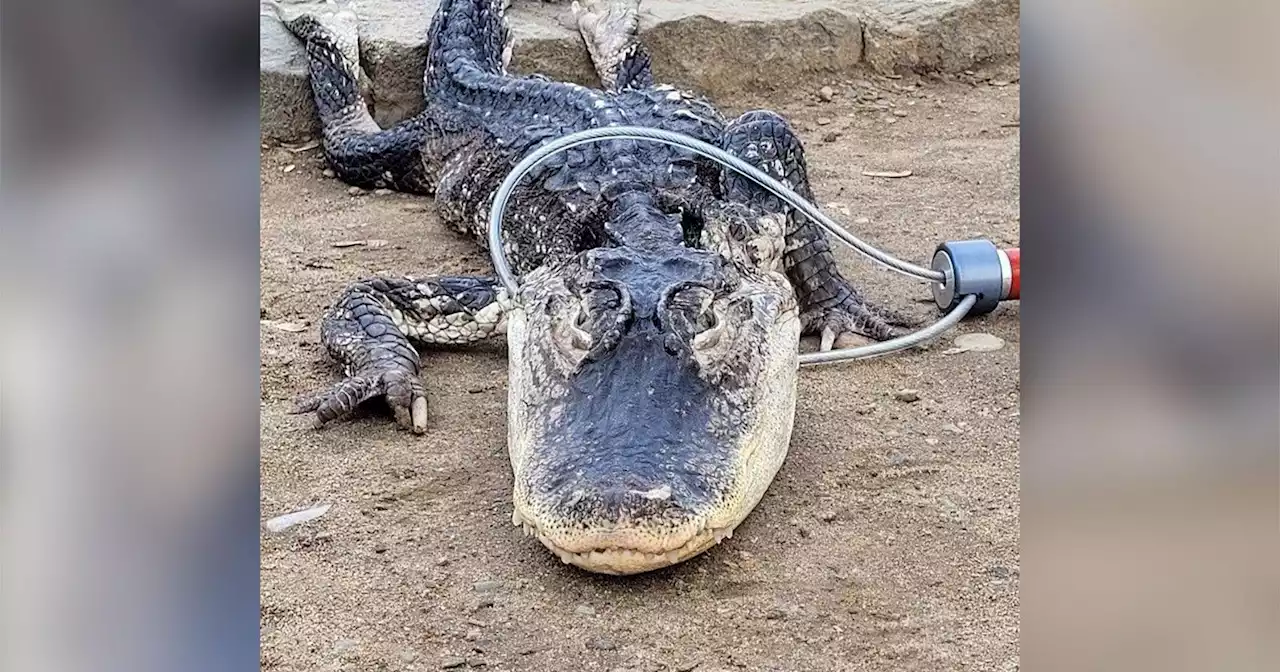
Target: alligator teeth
{"x":612,"y":560}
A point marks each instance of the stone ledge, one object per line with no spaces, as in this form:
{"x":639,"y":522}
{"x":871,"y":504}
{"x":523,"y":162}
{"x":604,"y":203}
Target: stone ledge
{"x":721,"y":48}
{"x":939,"y":35}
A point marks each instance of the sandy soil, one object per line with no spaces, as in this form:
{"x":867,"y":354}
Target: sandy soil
{"x":889,"y":541}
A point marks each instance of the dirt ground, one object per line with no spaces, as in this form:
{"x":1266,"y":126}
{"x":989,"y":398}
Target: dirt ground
{"x":889,"y":541}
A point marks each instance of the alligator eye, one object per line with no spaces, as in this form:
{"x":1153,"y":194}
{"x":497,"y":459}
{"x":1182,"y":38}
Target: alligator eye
{"x":570,"y":338}
{"x":710,"y":336}
{"x":690,"y":308}
{"x":580,"y":337}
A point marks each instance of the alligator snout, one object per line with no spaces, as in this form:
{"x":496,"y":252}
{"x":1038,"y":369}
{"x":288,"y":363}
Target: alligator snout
{"x":624,"y":506}
{"x":624,"y":520}
{"x":618,"y":530}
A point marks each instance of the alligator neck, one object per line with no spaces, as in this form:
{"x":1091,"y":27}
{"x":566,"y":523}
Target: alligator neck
{"x":635,"y":220}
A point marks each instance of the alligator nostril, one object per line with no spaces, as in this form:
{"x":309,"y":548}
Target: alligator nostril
{"x":626,"y":505}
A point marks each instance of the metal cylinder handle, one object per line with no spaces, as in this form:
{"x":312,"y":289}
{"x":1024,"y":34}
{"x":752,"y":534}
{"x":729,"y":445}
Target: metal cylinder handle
{"x":979,"y":268}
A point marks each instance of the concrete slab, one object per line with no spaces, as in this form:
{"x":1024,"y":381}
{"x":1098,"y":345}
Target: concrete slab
{"x":721,"y":48}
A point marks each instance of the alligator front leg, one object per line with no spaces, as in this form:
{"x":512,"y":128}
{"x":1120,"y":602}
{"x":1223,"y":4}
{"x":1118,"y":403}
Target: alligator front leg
{"x":829,"y":303}
{"x":370,"y":330}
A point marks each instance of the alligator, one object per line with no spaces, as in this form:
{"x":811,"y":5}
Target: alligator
{"x":653,"y":342}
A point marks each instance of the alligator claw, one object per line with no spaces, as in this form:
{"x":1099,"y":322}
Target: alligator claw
{"x":845,"y":340}
{"x":853,"y":319}
{"x":402,"y":390}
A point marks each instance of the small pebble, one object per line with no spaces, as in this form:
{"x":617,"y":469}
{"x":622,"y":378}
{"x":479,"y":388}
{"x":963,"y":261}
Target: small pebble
{"x":601,"y":644}
{"x":487,"y":586}
{"x":453,"y":662}
{"x":893,"y":174}
{"x":355,"y":191}
{"x":584,"y":610}
{"x":975,"y":343}
{"x":831,"y":137}
{"x":281,"y":523}
{"x":862,"y":220}
{"x":827,"y":516}
{"x":383,"y":192}
{"x":290,"y":168}
{"x":908,"y":396}
{"x":826,"y":93}
{"x":952,"y":428}
{"x":328,"y":172}
{"x":380,"y":548}
{"x":414,"y":207}
{"x":408,"y":656}
{"x":823,"y":121}
{"x":899,"y":113}
{"x":932,"y":440}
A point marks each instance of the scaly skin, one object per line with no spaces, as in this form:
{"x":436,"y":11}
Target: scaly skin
{"x":654,"y":343}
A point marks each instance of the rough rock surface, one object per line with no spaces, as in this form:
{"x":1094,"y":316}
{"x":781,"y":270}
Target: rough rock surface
{"x":939,"y":35}
{"x":721,"y":48}
{"x":284,"y":94}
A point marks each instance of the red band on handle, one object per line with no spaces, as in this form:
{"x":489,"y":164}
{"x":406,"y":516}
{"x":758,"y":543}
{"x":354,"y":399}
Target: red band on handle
{"x":1015,"y":265}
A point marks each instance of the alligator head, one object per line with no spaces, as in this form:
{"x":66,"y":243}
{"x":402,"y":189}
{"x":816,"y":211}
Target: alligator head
{"x":652,"y":392}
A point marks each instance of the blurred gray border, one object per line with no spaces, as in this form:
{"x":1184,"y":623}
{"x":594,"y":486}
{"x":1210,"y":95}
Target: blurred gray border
{"x":1150,"y":454}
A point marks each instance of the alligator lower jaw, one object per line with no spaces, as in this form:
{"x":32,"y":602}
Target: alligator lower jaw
{"x":624,"y":561}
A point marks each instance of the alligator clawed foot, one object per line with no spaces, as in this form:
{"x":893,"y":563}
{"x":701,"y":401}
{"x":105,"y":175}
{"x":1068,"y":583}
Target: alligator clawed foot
{"x":402,"y":390}
{"x":607,"y":26}
{"x":830,"y":338}
{"x":857,"y":321}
